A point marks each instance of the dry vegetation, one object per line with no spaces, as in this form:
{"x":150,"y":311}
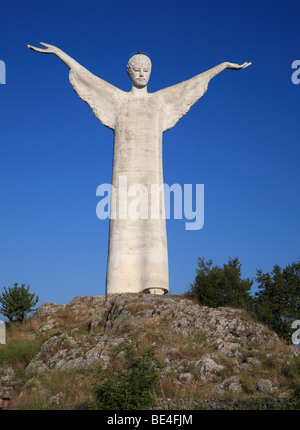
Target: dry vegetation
{"x":177,"y":353}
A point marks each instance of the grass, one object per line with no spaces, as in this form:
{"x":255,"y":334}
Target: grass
{"x":58,"y":389}
{"x":248,"y":383}
{"x":22,"y":330}
{"x":175,"y":397}
{"x":17,"y":353}
{"x":36,"y":401}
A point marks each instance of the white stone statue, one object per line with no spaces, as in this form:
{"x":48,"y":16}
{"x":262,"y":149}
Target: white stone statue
{"x":137,"y":256}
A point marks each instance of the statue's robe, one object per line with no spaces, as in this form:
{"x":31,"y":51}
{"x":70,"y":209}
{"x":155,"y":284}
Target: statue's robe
{"x":137,"y":256}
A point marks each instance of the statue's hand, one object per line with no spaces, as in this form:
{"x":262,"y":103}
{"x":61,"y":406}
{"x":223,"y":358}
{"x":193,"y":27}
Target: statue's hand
{"x":50,"y":48}
{"x":234,"y":66}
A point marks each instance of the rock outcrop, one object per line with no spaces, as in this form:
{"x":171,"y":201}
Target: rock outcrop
{"x":208,"y":352}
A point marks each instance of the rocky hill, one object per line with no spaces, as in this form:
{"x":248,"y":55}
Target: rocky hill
{"x":207,"y":355}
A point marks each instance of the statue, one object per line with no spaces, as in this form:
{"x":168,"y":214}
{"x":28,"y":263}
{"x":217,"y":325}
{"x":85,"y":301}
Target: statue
{"x":137,"y":255}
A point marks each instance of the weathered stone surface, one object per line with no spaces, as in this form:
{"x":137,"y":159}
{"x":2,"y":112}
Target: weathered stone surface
{"x":207,"y":368}
{"x":63,"y":352}
{"x":235,"y":387}
{"x":230,"y":349}
{"x":265,"y":386}
{"x":185,"y":377}
{"x":48,"y":309}
{"x":231,"y":384}
{"x":6,"y":381}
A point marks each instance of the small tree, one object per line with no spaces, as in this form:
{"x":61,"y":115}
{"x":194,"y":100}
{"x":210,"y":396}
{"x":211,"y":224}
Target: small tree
{"x":17,"y":302}
{"x":277,"y":301}
{"x":221,"y":286}
{"x":129,"y":388}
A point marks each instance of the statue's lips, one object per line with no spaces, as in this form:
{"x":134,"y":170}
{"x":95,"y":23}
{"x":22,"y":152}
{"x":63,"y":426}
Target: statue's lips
{"x":141,"y":81}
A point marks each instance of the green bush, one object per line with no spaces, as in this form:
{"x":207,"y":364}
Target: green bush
{"x":221,"y":286}
{"x":17,"y":302}
{"x":128,"y":389}
{"x":277,"y":302}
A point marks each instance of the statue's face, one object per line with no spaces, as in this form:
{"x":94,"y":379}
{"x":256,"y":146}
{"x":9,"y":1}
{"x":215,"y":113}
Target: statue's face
{"x":139,"y":69}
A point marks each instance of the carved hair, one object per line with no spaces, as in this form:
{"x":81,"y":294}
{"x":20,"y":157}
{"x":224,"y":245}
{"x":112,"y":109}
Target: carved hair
{"x":132,"y":60}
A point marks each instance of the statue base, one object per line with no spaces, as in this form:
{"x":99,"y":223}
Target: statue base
{"x":158,"y":291}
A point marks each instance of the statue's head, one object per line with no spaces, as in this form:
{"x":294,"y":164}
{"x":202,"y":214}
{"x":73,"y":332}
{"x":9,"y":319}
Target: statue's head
{"x":139,"y":69}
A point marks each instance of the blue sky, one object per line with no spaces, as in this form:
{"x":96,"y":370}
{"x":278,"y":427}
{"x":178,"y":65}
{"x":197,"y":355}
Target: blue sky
{"x":241,"y":140}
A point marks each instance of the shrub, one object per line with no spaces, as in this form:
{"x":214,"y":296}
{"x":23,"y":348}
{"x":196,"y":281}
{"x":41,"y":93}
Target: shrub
{"x":221,"y":286}
{"x":128,"y":389}
{"x":277,"y":302}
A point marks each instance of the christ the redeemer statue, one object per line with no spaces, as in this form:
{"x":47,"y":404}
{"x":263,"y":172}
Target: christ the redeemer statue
{"x":137,"y":256}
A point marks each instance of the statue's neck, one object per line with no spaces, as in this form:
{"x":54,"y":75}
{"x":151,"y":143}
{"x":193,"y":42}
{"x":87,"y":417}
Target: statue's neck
{"x":139,"y":92}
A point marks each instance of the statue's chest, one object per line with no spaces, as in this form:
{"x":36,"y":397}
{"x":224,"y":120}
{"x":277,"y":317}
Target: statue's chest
{"x":139,"y":115}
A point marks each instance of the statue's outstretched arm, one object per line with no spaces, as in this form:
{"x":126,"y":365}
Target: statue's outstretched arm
{"x":50,"y":49}
{"x":177,"y":100}
{"x":101,"y":96}
{"x":211,"y":73}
